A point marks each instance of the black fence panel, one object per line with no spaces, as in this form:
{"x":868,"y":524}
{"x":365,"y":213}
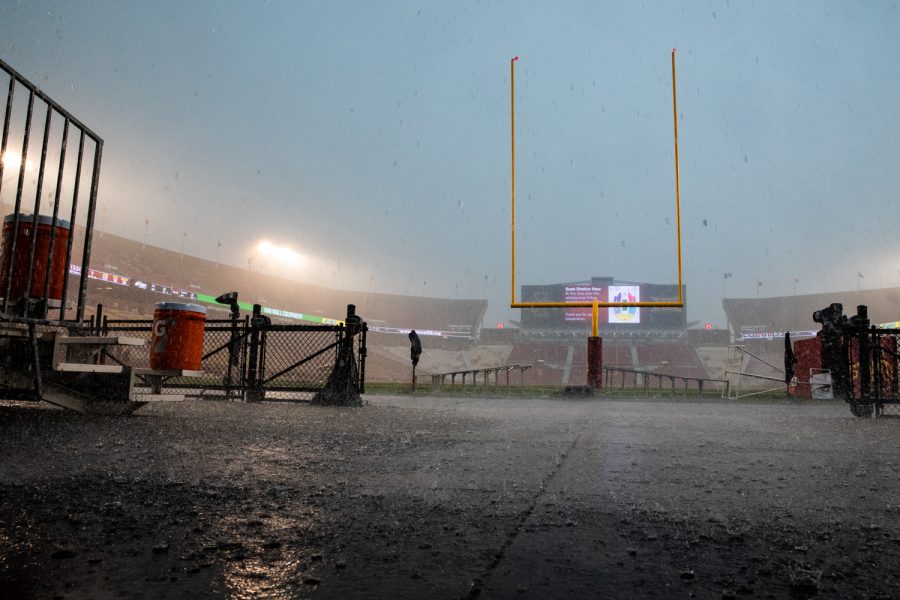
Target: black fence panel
{"x":297,"y":359}
{"x":251,"y":359}
{"x":873,"y":370}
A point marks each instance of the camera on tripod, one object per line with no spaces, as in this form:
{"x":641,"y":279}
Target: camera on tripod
{"x":230,"y":299}
{"x":832,"y":316}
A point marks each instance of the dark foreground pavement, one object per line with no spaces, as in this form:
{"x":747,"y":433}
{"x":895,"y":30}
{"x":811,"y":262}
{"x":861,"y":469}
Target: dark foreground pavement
{"x":450,"y":498}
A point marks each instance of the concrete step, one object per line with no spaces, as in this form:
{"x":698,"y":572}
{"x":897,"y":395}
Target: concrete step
{"x":88,"y":368}
{"x":102,"y":340}
{"x":12,"y":331}
{"x":143,"y":371}
{"x":139,"y":396}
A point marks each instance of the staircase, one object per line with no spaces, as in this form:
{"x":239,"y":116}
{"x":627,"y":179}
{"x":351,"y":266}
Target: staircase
{"x":78,"y":372}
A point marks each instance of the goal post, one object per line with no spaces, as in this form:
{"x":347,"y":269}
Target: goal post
{"x":514,"y":303}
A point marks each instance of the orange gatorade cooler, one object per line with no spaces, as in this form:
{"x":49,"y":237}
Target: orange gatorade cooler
{"x":177,"y":341}
{"x":39,"y":274}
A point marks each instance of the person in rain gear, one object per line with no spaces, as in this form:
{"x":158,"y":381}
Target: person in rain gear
{"x":415,"y":347}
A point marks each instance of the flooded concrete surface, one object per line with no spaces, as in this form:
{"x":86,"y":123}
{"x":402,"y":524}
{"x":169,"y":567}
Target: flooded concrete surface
{"x":450,"y":498}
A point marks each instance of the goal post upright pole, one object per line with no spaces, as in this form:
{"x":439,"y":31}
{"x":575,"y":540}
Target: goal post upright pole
{"x":512,"y":168}
{"x":677,"y":182}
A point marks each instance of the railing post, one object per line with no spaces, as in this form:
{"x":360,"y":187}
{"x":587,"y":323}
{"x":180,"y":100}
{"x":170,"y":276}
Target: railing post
{"x":99,"y":323}
{"x":253,"y":387}
{"x":232,"y":350}
{"x":362,"y":359}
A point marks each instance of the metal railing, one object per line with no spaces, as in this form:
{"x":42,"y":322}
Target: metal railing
{"x":438,"y":380}
{"x":633,"y":379}
{"x":30,"y":274}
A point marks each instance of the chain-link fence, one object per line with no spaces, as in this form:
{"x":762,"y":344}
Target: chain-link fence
{"x":296,"y":358}
{"x":249,"y":359}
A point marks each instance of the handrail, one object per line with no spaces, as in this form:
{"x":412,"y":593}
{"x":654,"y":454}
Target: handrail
{"x":609,"y":372}
{"x":438,"y":379}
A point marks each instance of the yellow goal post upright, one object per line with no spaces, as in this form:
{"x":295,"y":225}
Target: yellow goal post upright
{"x":593,"y":371}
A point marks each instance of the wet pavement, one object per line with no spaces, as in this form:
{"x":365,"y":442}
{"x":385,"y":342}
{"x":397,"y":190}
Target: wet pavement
{"x":450,"y":498}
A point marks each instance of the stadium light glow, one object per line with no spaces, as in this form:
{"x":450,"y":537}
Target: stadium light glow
{"x":281,"y":254}
{"x":13,"y":160}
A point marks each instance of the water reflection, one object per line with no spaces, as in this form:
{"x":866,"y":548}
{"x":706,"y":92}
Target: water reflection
{"x":274,"y":557}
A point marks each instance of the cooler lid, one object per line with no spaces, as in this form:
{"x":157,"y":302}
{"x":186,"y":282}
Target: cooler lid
{"x":181,"y":306}
{"x":41,"y":219}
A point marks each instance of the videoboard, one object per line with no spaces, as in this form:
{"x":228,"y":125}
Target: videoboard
{"x":604,"y":289}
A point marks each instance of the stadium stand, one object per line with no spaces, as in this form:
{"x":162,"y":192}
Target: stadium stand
{"x":616,"y":354}
{"x":149,"y":264}
{"x":678,"y":357}
{"x":548,"y":360}
{"x":759,"y":324}
{"x":792,"y":313}
{"x":578,"y":372}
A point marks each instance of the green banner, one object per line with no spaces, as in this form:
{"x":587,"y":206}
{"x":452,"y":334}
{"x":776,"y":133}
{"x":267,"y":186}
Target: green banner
{"x":277,"y":312}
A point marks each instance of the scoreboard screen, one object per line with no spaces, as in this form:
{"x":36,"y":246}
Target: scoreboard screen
{"x":604,"y":289}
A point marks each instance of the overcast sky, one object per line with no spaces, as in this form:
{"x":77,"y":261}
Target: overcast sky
{"x":373,"y":138}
